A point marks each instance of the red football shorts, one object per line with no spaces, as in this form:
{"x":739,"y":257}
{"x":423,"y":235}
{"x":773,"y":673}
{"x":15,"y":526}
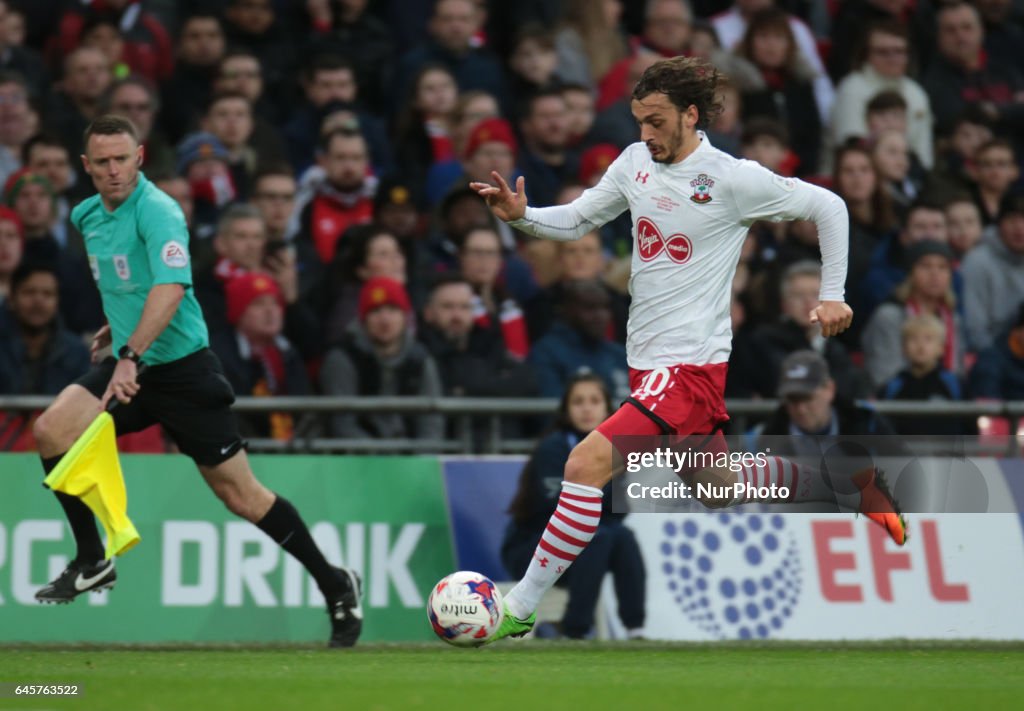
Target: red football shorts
{"x":676,"y":400}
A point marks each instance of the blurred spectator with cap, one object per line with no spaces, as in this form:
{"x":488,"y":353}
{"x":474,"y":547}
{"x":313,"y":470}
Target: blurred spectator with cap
{"x":396,"y":208}
{"x":242,"y":248}
{"x":38,"y":356}
{"x":491,"y":145}
{"x":204,"y":162}
{"x":993,"y":274}
{"x":380,"y":358}
{"x":928,"y":289}
{"x":810,"y":405}
{"x":998,"y":374}
{"x":366,"y":252}
{"x":258,"y":359}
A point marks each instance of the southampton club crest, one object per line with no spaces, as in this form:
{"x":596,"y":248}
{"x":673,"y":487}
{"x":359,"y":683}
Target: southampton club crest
{"x":702,"y":185}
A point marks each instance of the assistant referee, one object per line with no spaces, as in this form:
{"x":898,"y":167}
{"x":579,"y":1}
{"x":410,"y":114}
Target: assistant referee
{"x":137,"y":243}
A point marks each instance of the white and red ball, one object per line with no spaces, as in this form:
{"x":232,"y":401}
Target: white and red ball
{"x":465,"y":609}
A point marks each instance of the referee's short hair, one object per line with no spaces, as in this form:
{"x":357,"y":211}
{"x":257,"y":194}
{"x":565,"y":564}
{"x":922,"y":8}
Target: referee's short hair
{"x":110,"y":125}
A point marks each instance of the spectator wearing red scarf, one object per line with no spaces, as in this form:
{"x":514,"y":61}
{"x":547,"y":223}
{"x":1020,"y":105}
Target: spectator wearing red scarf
{"x":258,"y":360}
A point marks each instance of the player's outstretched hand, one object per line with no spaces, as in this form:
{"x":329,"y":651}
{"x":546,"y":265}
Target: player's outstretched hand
{"x":834,"y":317}
{"x":100,"y":340}
{"x":505,"y":204}
{"x":123,"y":383}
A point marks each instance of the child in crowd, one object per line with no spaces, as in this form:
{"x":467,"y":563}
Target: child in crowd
{"x":924,"y":378}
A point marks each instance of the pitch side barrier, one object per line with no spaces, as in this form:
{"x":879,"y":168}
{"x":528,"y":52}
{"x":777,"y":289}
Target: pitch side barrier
{"x":476,"y":425}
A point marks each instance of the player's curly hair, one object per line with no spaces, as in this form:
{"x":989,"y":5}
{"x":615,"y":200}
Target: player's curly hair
{"x":686,"y":81}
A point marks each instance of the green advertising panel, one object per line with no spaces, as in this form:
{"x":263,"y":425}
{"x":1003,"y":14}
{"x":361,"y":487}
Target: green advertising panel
{"x":202,"y":574}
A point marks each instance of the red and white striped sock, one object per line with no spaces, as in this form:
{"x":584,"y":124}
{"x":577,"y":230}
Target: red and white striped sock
{"x":569,"y":530}
{"x":803,"y":484}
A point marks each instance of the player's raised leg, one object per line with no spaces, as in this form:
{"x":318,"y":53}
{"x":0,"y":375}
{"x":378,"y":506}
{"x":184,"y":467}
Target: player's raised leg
{"x":786,"y":482}
{"x":234,"y":483}
{"x":55,"y":430}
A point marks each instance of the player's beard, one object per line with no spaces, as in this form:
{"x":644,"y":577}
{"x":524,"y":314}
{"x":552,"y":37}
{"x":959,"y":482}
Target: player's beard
{"x":674,"y":146}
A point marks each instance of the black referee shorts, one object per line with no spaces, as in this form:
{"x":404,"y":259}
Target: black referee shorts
{"x":190,"y":397}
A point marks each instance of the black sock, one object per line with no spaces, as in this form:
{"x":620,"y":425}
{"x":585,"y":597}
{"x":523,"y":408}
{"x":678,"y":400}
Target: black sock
{"x":83,"y":523}
{"x":283,"y":523}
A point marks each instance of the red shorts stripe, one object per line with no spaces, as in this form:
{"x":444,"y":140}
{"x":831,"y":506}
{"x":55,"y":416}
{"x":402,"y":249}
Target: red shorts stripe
{"x":565,"y":537}
{"x":555,"y":551}
{"x":574,"y":524}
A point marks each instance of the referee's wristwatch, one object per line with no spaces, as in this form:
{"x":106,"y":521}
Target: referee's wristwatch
{"x":126,"y":353}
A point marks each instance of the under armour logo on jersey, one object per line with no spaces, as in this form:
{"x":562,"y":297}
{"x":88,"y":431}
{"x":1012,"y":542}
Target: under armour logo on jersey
{"x":642,"y":177}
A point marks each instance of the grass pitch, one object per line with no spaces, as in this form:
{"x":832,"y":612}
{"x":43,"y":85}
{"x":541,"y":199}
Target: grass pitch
{"x":525,"y":676}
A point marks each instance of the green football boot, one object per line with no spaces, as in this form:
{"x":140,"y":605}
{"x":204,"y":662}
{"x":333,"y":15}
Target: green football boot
{"x":512,"y":626}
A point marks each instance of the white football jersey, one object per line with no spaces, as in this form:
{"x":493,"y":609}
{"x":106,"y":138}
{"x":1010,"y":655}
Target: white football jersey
{"x":690,"y":220}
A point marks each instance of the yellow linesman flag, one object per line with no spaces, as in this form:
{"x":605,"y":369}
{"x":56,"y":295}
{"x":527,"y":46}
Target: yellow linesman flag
{"x":91,"y":471}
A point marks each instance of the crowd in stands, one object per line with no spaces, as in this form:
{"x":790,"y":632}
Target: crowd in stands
{"x":321,"y":152}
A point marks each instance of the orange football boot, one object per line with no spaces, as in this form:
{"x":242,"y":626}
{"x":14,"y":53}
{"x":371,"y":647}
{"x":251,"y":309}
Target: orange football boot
{"x":877,"y":503}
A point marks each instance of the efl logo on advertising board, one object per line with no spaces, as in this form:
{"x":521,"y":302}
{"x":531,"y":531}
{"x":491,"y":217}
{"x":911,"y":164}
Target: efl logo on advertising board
{"x":847,"y":574}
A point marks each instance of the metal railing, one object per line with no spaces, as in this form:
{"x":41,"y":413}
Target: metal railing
{"x":470,"y":417}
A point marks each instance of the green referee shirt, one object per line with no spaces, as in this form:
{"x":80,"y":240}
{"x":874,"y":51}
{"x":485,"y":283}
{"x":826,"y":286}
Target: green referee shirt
{"x":142,"y":243}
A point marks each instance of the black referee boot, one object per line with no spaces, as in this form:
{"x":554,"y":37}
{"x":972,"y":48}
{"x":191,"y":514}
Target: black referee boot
{"x":345,"y":610}
{"x":78,"y":578}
